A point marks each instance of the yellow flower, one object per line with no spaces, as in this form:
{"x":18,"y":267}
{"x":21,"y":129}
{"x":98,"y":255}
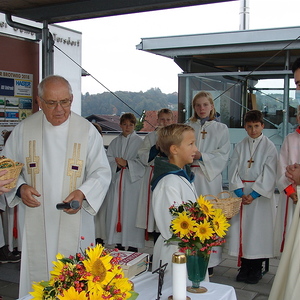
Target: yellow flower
{"x":123,"y":286}
{"x":38,"y":289}
{"x":220,"y":223}
{"x":102,"y":271}
{"x":72,"y":294}
{"x":206,"y":206}
{"x":183,"y":225}
{"x":58,"y":266}
{"x":204,"y":231}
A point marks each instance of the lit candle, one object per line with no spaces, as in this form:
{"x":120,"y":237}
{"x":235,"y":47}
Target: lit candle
{"x":179,"y":276}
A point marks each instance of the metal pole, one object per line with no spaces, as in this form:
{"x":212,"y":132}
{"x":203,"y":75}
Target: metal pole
{"x":47,"y":51}
{"x":286,"y":87}
{"x":244,"y":14}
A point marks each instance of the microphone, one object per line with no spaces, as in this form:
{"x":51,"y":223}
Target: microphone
{"x":74,"y":204}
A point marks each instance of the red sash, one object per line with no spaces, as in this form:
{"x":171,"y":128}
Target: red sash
{"x":119,"y":225}
{"x":284,"y":224}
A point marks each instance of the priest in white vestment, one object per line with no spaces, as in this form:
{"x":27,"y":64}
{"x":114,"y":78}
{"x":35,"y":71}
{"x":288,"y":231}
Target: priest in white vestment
{"x":64,"y":160}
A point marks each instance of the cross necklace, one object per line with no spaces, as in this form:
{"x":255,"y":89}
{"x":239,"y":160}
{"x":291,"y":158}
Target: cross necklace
{"x":251,"y":161}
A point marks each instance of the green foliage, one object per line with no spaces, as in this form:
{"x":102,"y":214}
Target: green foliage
{"x":107,"y":104}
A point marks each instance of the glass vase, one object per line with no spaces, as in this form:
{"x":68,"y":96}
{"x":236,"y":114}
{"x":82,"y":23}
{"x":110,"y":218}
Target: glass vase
{"x":196,"y":269}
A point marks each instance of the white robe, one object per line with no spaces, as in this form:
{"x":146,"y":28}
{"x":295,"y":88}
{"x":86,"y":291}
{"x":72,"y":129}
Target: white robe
{"x":145,"y":217}
{"x":215,"y":149}
{"x":257,"y":217}
{"x":286,"y":285}
{"x":95,"y":183}
{"x":171,"y":189}
{"x":289,"y":154}
{"x":130,"y":235}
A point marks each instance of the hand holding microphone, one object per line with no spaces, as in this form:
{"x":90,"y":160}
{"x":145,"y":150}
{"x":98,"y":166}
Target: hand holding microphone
{"x":74,"y":204}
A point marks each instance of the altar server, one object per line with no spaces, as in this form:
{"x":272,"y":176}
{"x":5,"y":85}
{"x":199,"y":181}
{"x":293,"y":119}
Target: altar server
{"x":64,"y":160}
{"x":172,"y":183}
{"x":123,"y":195}
{"x":252,"y":176}
{"x":146,"y":154}
{"x":213,"y":143}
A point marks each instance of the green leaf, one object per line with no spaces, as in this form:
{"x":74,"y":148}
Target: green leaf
{"x":134,"y":295}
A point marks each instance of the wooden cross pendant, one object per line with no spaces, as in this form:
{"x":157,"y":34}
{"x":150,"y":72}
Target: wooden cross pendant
{"x":250,"y":162}
{"x":203,"y":134}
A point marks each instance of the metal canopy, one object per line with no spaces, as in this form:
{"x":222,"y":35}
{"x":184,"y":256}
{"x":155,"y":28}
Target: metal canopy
{"x":243,"y":50}
{"x":55,"y":11}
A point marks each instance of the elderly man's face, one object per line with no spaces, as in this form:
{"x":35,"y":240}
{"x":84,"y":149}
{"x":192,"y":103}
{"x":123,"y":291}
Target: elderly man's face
{"x":56,"y":102}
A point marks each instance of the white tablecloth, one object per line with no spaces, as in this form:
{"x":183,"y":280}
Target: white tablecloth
{"x":146,"y":285}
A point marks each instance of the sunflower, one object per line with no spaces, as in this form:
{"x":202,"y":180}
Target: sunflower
{"x":72,"y":294}
{"x":122,"y":288}
{"x":100,"y":268}
{"x":183,"y":225}
{"x":220,"y":223}
{"x":204,"y":231}
{"x":206,"y":206}
{"x":38,"y":290}
{"x":58,"y":266}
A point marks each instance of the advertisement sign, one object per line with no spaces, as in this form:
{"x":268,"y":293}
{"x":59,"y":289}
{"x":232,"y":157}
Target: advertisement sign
{"x":15,"y":100}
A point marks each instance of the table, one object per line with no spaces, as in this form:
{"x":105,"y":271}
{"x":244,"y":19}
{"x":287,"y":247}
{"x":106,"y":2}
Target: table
{"x":146,"y":285}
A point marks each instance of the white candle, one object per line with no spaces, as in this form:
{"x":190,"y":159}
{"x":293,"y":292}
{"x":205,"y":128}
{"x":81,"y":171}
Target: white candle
{"x":179,"y":276}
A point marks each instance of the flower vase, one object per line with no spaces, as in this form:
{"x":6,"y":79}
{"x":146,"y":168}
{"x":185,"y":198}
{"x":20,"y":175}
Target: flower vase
{"x":196,"y":269}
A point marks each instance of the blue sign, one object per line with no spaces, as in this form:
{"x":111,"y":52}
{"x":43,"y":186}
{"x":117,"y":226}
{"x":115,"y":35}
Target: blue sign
{"x":6,"y":86}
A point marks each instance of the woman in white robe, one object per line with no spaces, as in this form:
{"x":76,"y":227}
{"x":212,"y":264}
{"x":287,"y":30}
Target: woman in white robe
{"x":213,"y":143}
{"x":286,"y":285}
{"x":289,"y":154}
{"x":123,"y":194}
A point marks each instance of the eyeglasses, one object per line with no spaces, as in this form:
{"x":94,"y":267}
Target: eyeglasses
{"x":51,"y":104}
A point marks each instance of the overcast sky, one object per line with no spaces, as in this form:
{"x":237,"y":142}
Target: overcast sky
{"x":109,"y":44}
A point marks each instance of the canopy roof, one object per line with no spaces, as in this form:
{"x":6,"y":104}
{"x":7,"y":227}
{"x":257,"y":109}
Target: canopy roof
{"x":55,"y":11}
{"x":243,"y":50}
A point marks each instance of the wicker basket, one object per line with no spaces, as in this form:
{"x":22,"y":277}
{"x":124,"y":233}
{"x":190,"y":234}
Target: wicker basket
{"x":13,"y":171}
{"x":229,"y":205}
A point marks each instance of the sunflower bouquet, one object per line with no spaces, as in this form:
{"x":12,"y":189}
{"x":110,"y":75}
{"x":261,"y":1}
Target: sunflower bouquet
{"x":197,"y":226}
{"x":93,"y":274}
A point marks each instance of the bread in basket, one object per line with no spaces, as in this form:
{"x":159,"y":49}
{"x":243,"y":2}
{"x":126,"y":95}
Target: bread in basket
{"x":13,"y":170}
{"x":230,"y":205}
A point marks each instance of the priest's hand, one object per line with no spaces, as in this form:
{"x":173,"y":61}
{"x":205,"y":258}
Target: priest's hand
{"x":75,"y":195}
{"x":27,"y":193}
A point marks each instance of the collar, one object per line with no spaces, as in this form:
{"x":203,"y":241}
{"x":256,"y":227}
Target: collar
{"x":256,"y":140}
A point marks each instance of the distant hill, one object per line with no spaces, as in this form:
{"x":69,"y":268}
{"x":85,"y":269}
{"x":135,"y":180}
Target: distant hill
{"x":107,"y":104}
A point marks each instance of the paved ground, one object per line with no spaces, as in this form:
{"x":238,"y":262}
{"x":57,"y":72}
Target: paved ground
{"x":225,"y":273}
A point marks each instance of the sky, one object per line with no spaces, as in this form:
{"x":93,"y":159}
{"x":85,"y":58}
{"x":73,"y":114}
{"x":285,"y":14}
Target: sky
{"x":109,"y":44}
